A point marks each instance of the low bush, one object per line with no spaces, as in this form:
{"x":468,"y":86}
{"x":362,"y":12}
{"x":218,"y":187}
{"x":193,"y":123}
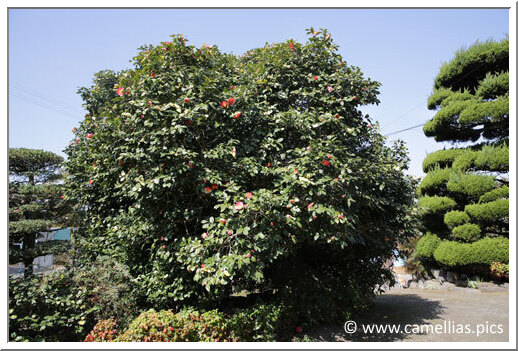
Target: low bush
{"x":482,"y":252}
{"x":48,"y":308}
{"x":500,"y":270}
{"x":427,"y":245}
{"x":260,"y":322}
{"x":186,"y":325}
{"x":468,"y":232}
{"x":455,"y":218}
{"x":110,"y":289}
{"x":104,"y":330}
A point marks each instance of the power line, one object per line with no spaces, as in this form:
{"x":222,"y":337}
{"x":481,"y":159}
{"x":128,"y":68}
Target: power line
{"x":404,"y":130}
{"x":404,"y":114}
{"x":47,"y":106}
{"x":46,"y":98}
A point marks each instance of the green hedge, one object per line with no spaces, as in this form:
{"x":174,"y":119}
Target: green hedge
{"x":441,"y":159}
{"x":495,"y":194}
{"x":445,"y":117}
{"x":493,"y":85}
{"x":467,"y":232}
{"x":470,"y":185}
{"x":485,"y":252}
{"x":456,"y":218}
{"x":427,"y":245}
{"x":436,"y":204}
{"x":435,"y":181}
{"x":488,"y":211}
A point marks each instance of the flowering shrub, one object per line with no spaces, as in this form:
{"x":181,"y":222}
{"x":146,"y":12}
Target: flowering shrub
{"x":186,"y":325}
{"x":104,"y":330}
{"x":207,"y":173}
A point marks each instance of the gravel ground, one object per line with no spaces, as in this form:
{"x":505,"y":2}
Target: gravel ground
{"x":451,"y":309}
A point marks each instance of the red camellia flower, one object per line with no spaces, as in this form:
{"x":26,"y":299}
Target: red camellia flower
{"x":248,"y":195}
{"x":296,"y":171}
{"x":237,"y":115}
{"x":363,"y":89}
{"x":315,"y":78}
{"x":224,"y":103}
{"x":163,"y":247}
{"x":222,"y":220}
{"x":186,"y":100}
{"x":208,"y":190}
{"x":268,"y":164}
{"x":214,"y":186}
{"x":387,"y":238}
{"x":330,"y":89}
{"x":90,"y":181}
{"x":89,"y":135}
{"x":143,"y":117}
{"x":120,"y":91}
{"x":326,"y":163}
{"x":63,"y":197}
{"x":298,"y":330}
{"x":162,"y":238}
{"x":239,"y":205}
{"x":341,"y":63}
{"x":149,"y":103}
{"x":329,"y":156}
{"x":343,"y":196}
{"x":337,"y":116}
{"x":190,"y":164}
{"x":292,"y":201}
{"x":205,"y":235}
{"x":272,"y":224}
{"x":355,"y":98}
{"x":340,"y":216}
{"x":164,"y":49}
{"x":291,"y":46}
{"x":231,"y":101}
{"x":249,"y":255}
{"x":202,"y":266}
{"x":315,"y":217}
{"x":229,"y":232}
{"x":188,"y":122}
{"x":152,"y":74}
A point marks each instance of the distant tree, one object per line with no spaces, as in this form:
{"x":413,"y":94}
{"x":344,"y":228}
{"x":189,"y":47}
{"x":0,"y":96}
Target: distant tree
{"x":36,"y":204}
{"x":465,"y":194}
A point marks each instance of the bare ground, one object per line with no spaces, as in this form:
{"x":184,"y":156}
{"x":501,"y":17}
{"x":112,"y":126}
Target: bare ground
{"x":453,"y":309}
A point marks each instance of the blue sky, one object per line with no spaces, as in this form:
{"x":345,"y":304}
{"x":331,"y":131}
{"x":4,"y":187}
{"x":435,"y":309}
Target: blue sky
{"x":54,"y":52}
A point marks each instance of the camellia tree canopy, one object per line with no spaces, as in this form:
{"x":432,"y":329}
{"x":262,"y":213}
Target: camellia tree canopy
{"x":208,"y":173}
{"x":465,"y":194}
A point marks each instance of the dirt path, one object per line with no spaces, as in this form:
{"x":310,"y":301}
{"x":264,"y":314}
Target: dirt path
{"x":453,"y":310}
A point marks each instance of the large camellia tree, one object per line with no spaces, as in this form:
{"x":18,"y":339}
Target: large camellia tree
{"x":209,"y":174}
{"x":465,"y":194}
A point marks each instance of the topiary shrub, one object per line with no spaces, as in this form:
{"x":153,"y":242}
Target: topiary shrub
{"x":493,"y":85}
{"x":465,"y":161}
{"x":489,"y":211}
{"x":483,"y":252}
{"x":441,"y":159}
{"x":427,"y":245}
{"x":495,"y":194}
{"x":186,"y":325}
{"x":467,"y":232}
{"x":434,"y":183}
{"x":436,"y":204}
{"x":471,"y":186}
{"x":456,"y":218}
{"x":493,"y":158}
{"x":103,"y":331}
{"x":204,"y":173}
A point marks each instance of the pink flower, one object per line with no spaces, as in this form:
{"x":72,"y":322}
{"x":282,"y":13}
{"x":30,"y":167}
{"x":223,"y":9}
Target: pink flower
{"x":149,"y":103}
{"x":315,"y":77}
{"x":311,"y":205}
{"x":89,"y":135}
{"x":355,"y":98}
{"x":62,"y":197}
{"x":162,"y":238}
{"x":340,"y":216}
{"x":291,"y":46}
{"x":248,"y":195}
{"x":272,"y":224}
{"x":231,"y":101}
{"x":249,"y":255}
{"x":205,"y":235}
{"x":363,"y":89}
{"x":369,"y":126}
{"x":163,"y":247}
{"x":268,"y":164}
{"x":229,"y":232}
{"x":120,"y":91}
{"x":330,"y":89}
{"x":143,"y":117}
{"x":222,"y":220}
{"x":186,"y":100}
{"x":239,"y":205}
{"x":329,"y":156}
{"x":343,"y":196}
